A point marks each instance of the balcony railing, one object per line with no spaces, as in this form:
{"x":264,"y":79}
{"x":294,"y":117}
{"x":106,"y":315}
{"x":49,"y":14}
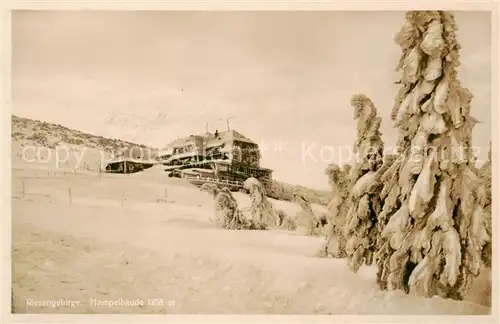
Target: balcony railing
{"x":214,"y":180}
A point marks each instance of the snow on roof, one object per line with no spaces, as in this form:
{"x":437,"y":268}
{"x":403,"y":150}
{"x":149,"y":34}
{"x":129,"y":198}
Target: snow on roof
{"x":211,"y":140}
{"x":227,"y":137}
{"x":166,"y":151}
{"x":136,"y":160}
{"x":182,"y":141}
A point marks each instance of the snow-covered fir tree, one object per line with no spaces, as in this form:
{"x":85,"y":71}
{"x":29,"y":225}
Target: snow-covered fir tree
{"x":485,"y":201}
{"x":364,"y":203}
{"x":436,"y":225}
{"x":338,"y":178}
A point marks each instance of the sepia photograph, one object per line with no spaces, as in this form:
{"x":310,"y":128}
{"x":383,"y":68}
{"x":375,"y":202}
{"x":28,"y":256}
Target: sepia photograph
{"x":252,"y":162}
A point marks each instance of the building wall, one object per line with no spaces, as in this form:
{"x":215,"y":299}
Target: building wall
{"x":193,"y":145}
{"x":246,"y":153}
{"x":198,"y":145}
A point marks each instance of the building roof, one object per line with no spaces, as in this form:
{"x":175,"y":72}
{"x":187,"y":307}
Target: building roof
{"x":225,"y":137}
{"x":135,"y":152}
{"x":182,"y":141}
{"x":135,"y":160}
{"x":210,"y":139}
{"x":166,"y":151}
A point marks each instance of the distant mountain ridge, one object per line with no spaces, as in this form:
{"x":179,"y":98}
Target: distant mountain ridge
{"x":51,"y":135}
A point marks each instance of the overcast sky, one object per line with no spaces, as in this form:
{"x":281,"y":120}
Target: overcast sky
{"x":150,"y":77}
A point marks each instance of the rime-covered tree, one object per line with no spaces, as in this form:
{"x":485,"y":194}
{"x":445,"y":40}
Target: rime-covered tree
{"x":229,"y":216}
{"x":435,"y":227}
{"x":285,"y":221}
{"x":338,"y":178}
{"x":305,"y":221}
{"x":261,"y":209}
{"x":211,"y":188}
{"x":485,"y":201}
{"x":364,"y":203}
{"x":226,"y":208}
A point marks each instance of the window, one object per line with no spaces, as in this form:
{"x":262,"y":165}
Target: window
{"x":237,"y":154}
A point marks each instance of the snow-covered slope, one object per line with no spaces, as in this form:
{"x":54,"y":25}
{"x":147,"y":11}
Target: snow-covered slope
{"x":119,"y":238}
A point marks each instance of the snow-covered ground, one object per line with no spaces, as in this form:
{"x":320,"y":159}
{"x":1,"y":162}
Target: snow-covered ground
{"x":87,"y":237}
